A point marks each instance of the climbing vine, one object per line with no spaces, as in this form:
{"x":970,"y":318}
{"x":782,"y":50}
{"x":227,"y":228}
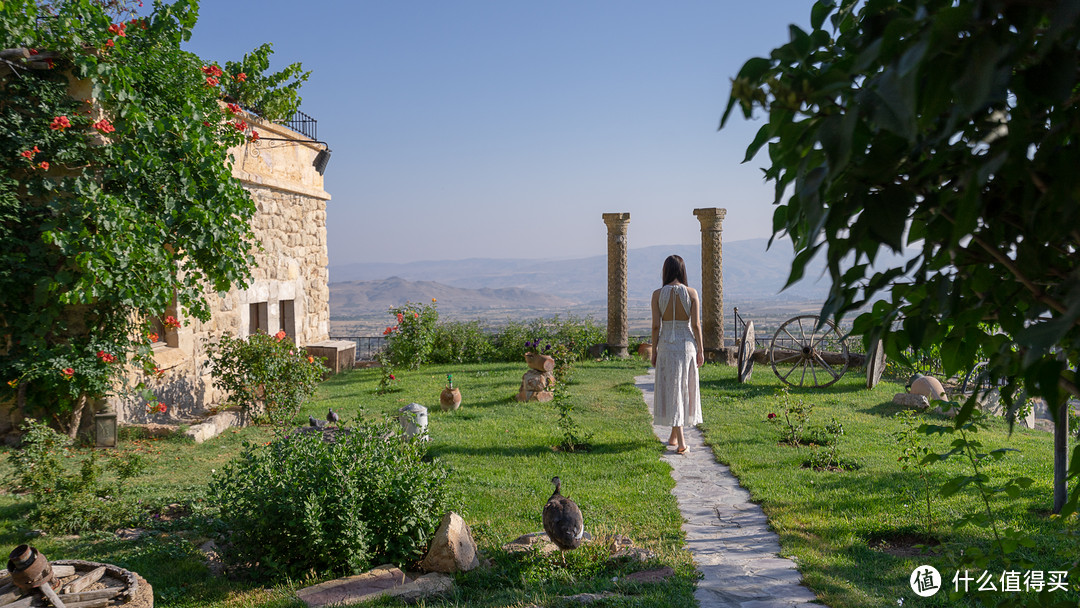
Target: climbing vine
{"x":117,"y":201}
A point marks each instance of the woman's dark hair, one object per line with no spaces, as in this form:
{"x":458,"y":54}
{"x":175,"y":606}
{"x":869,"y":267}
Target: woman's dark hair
{"x":674,"y":268}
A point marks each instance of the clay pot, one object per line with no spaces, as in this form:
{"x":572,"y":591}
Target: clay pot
{"x":541,"y":363}
{"x":645,"y":351}
{"x":450,"y":399}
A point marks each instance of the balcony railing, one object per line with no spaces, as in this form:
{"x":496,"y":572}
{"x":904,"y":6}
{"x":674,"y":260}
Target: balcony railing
{"x":304,"y":125}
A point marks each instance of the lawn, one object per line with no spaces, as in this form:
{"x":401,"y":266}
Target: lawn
{"x":850,"y":531}
{"x":847,"y":530}
{"x":501,"y":456}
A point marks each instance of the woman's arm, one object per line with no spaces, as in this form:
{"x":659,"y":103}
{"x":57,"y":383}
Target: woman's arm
{"x":695,"y":326}
{"x":655,"y":340}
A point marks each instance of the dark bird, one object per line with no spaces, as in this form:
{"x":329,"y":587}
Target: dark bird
{"x":315,"y":423}
{"x":562,"y":520}
{"x":332,"y":416}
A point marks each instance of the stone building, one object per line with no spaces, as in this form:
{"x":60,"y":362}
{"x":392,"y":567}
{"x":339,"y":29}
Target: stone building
{"x":288,"y":290}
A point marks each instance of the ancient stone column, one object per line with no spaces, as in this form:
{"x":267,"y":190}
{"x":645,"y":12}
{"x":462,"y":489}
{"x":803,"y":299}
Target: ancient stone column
{"x":618,"y":326}
{"x":712,"y":280}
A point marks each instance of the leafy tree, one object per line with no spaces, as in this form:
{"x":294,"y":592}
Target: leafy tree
{"x":951,"y":127}
{"x":116,"y":196}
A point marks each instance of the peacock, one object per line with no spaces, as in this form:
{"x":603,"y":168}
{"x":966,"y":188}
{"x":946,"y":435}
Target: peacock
{"x":562,"y":520}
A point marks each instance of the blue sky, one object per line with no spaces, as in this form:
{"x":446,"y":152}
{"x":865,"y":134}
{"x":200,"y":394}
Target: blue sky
{"x":505,"y":129}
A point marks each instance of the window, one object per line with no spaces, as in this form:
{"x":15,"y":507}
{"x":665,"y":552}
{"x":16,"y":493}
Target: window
{"x":258,"y":319}
{"x":286,"y":318}
{"x":163,"y":329}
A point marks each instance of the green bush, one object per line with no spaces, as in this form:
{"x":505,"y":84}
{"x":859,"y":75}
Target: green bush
{"x":71,"y":503}
{"x":265,"y":375}
{"x":461,"y":342}
{"x":577,"y":334}
{"x":300,"y":504}
{"x":410,"y":341}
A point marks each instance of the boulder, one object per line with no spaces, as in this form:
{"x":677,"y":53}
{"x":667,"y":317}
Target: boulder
{"x":453,"y":548}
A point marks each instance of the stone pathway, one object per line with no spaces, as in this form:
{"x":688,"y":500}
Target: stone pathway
{"x":729,"y":536}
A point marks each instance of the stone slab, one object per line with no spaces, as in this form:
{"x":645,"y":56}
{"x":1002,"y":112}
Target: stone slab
{"x":354,"y":589}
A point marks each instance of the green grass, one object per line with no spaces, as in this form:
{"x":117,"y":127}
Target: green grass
{"x":501,"y":457}
{"x":828,"y":520}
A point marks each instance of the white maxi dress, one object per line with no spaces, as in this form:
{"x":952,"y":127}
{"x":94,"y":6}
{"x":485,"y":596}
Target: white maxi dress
{"x":676,"y":400}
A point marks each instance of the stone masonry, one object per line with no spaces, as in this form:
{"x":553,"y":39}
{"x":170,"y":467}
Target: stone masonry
{"x":289,"y":286}
{"x":618,"y":325}
{"x":712,"y":280}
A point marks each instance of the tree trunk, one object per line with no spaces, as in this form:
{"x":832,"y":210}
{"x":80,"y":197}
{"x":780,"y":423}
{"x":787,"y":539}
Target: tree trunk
{"x":1061,"y":453}
{"x":76,"y":417}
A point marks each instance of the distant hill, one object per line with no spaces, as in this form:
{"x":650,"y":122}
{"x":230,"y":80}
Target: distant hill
{"x":359,"y":298}
{"x":751,"y":273}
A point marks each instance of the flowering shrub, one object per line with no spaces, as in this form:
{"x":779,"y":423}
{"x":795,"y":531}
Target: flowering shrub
{"x":301,"y":504}
{"x":387,"y":379}
{"x":410,"y":341}
{"x":265,"y":375}
{"x":93,"y":229}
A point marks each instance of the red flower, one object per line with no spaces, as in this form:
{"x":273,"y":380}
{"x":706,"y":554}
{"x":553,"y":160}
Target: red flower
{"x":162,"y":408}
{"x":59,"y":123}
{"x":171,"y":322}
{"x":386,"y":332}
{"x":232,"y":107}
{"x":240,"y":125}
{"x":416,"y":315}
{"x":68,"y":373}
{"x":109,"y":43}
{"x":310,"y":359}
{"x":241,"y":77}
{"x":50,"y":63}
{"x":106,"y":357}
{"x":27,"y":153}
{"x":118,"y":29}
{"x":212,"y":70}
{"x":44,"y":165}
{"x":35,"y":150}
{"x":33,"y":51}
{"x":104,"y":126}
{"x":400,"y":317}
{"x":206,"y":124}
{"x":152,"y":336}
{"x":254,"y":136}
{"x":772,"y":416}
{"x":392,"y":377}
{"x":280,"y":335}
{"x":211,"y":81}
{"x":158,"y":372}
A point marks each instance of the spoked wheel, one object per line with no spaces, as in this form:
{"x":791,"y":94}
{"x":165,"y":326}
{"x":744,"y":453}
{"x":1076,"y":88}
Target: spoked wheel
{"x":802,"y":355}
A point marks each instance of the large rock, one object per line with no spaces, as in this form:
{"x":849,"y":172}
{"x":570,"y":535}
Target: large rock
{"x":453,"y":548}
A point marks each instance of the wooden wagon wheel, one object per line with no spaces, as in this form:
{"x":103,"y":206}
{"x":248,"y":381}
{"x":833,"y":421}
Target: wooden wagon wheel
{"x":802,"y":355}
{"x":746,"y":353}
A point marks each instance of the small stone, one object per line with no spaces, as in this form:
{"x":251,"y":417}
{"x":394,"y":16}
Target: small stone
{"x":129,"y":533}
{"x":928,"y":387}
{"x":909,"y":400}
{"x":656,"y":575}
{"x":453,"y":548}
{"x":426,"y":586}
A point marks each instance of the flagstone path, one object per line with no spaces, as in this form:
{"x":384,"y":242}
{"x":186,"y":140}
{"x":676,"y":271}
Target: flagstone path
{"x":729,"y":536}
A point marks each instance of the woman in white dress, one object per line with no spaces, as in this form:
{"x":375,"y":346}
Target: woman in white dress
{"x":677,"y":353}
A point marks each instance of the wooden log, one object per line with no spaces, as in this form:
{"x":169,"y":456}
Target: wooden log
{"x":49,"y":593}
{"x":10,"y":594}
{"x":85,"y":580}
{"x":541,"y":363}
{"x":97,"y":594}
{"x":23,"y":603}
{"x":16,"y":53}
{"x":61,"y":571}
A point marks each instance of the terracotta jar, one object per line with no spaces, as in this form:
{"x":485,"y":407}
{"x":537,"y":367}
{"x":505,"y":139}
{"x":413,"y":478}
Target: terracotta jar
{"x":450,"y":399}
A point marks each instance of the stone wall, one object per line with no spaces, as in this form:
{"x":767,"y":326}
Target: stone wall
{"x":288,"y":289}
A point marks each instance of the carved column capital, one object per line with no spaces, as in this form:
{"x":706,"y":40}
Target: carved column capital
{"x":711,"y":218}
